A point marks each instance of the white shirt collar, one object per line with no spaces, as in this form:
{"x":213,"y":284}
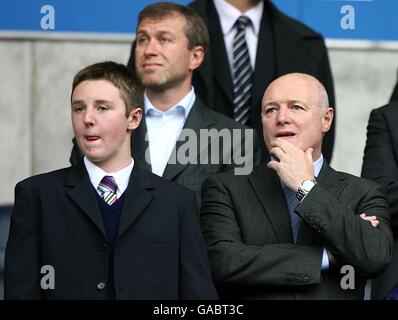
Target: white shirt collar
{"x":318,"y":166}
{"x":122,"y":177}
{"x":229,"y":14}
{"x":184,"y":105}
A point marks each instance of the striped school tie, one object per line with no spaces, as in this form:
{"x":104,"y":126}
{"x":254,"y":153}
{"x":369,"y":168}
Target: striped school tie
{"x":242,"y":72}
{"x":107,"y":189}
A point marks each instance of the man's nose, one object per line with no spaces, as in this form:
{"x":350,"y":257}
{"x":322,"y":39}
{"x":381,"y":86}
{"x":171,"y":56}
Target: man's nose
{"x":151,"y":48}
{"x":283,"y":115}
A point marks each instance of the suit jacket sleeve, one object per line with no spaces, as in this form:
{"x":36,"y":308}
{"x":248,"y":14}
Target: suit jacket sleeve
{"x":235,"y":262}
{"x":380,"y":162}
{"x":195,"y":276}
{"x":22,"y":264}
{"x":347,"y":236}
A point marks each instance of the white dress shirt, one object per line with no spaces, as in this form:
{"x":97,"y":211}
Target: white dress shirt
{"x":228,"y":16}
{"x":122,"y":177}
{"x":164,"y":128}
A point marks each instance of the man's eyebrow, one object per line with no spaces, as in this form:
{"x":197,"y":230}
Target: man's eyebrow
{"x":296,"y":101}
{"x":270,"y":103}
{"x":288,"y":101}
{"x":103,"y":101}
{"x":158,"y":32}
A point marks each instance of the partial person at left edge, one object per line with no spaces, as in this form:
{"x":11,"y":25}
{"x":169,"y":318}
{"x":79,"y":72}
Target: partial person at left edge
{"x":104,"y":228}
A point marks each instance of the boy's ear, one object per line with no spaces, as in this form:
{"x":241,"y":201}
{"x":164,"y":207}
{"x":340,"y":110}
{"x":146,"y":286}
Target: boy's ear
{"x":134,"y":119}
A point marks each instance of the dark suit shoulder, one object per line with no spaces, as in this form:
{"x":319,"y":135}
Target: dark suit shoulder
{"x":295,"y":26}
{"x":360,"y":184}
{"x":48,"y":179}
{"x":390,"y":108}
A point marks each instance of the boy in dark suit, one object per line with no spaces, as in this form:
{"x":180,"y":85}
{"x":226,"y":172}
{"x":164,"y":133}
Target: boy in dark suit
{"x":104,"y":228}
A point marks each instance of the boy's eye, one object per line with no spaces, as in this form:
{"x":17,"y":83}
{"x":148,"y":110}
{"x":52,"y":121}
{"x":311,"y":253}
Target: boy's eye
{"x":102,"y":108}
{"x":142,"y":40}
{"x":77,"y":108}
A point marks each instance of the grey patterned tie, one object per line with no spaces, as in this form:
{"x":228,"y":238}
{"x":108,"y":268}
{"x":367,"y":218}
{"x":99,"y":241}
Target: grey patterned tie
{"x":292,"y":203}
{"x":242,"y":72}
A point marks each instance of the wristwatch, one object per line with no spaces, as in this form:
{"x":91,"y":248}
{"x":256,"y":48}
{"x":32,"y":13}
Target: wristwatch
{"x":304,"y":188}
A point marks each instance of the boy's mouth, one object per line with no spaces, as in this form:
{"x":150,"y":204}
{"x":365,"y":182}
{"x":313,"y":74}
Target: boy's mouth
{"x":91,"y":138}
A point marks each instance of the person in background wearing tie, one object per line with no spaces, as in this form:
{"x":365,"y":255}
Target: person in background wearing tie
{"x":286,"y":230}
{"x":104,"y":228}
{"x":171,"y":41}
{"x":251,"y":44}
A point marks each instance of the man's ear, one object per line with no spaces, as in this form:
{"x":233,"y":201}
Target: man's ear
{"x":134,"y":119}
{"x":327,"y":119}
{"x":197,"y":56}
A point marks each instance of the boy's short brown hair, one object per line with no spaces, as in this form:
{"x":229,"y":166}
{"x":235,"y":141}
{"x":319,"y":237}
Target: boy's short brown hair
{"x":130,"y":88}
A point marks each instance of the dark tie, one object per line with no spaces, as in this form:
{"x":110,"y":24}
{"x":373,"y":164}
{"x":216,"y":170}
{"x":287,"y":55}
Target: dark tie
{"x":107,"y":189}
{"x":242,"y":72}
{"x":292,"y":203}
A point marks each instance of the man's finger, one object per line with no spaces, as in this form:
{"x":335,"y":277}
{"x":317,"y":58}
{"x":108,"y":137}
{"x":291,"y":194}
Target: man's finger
{"x":283,"y":144}
{"x":308,"y":153}
{"x":273,"y":165}
{"x":277,"y":153}
{"x":375,"y":223}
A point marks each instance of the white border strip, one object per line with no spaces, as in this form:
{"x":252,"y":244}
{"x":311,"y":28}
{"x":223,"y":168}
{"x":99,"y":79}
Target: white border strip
{"x":66,"y":36}
{"x":361,"y":44}
{"x":126,"y":37}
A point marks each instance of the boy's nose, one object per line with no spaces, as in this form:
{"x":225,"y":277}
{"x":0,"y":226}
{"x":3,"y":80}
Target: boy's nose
{"x":89,"y":117}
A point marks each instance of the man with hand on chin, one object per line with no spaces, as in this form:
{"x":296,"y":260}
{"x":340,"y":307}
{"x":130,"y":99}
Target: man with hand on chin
{"x":285,"y":231}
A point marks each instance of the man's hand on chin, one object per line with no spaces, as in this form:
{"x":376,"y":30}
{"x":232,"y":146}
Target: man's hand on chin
{"x":294,"y":165}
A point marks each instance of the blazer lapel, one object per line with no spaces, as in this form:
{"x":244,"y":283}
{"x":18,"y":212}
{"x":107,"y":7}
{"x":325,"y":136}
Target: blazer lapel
{"x":81,"y":192}
{"x":138,"y":196}
{"x":270,"y":194}
{"x":198,"y":118}
{"x":331,"y":180}
{"x":219,"y":57}
{"x":139,"y":146}
{"x":264,"y":71}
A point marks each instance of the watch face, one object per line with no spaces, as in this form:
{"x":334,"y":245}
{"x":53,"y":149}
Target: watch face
{"x":307,"y":184}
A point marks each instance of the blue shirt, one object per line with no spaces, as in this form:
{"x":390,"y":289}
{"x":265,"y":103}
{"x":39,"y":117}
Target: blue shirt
{"x":164,"y":128}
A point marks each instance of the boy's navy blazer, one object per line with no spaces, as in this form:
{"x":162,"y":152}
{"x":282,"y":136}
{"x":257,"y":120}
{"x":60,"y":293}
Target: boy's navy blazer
{"x":56,"y":221}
